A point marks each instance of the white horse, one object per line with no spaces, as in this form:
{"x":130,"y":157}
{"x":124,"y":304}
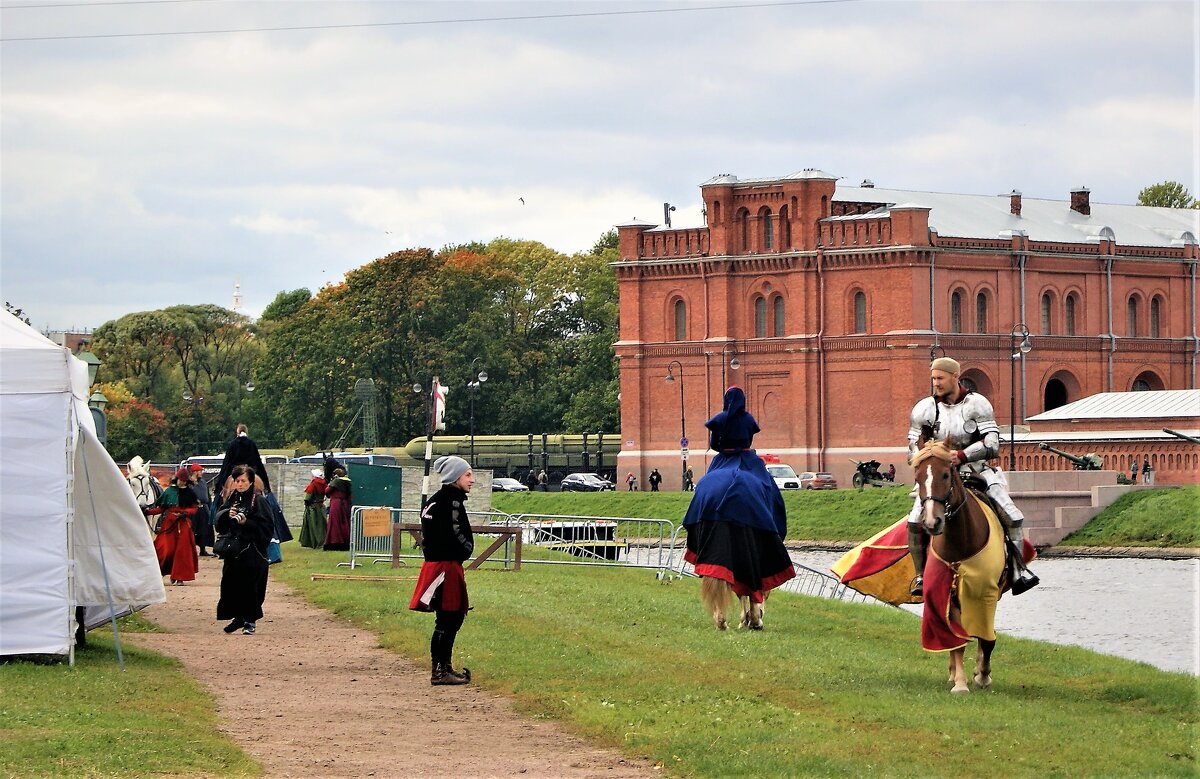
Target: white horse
{"x":146,"y":488}
{"x":717,"y":595}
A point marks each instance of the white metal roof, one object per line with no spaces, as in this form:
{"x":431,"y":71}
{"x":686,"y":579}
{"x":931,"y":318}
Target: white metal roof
{"x":1127,"y":405}
{"x":987,"y":216}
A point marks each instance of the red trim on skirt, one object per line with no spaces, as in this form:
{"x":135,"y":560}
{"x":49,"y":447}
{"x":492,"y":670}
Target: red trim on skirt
{"x":441,"y":586}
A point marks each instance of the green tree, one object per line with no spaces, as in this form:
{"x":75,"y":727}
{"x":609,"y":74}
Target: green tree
{"x":284,"y":305}
{"x":1167,"y":194}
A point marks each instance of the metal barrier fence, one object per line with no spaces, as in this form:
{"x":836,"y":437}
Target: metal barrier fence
{"x":808,"y":581}
{"x":622,"y":542}
{"x":371,"y":534}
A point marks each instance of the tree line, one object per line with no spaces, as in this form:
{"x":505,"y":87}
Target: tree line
{"x":539,"y":322}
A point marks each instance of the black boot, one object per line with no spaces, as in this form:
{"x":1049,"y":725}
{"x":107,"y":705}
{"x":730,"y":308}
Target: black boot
{"x":443,"y":674}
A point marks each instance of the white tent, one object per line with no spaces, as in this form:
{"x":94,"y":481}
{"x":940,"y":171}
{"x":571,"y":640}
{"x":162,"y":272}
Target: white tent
{"x":71,"y":533}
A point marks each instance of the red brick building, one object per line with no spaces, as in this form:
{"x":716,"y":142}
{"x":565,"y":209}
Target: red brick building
{"x":830,"y":298}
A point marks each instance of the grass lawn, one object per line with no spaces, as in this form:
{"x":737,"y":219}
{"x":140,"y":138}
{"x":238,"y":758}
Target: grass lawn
{"x":1165,"y":516}
{"x":829,"y":689}
{"x":92,"y":720}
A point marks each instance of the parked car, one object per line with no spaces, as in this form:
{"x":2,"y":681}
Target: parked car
{"x":345,"y":458}
{"x":585,"y":482}
{"x":785,"y":476}
{"x":817,"y":481}
{"x":505,"y":484}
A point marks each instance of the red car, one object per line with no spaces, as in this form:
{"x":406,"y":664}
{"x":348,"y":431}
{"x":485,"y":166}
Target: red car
{"x":817,"y":481}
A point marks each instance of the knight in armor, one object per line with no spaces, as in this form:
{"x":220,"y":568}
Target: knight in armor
{"x":966,"y":419}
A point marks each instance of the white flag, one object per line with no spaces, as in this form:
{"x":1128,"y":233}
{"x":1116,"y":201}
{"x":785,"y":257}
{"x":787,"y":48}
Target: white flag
{"x":439,"y":404}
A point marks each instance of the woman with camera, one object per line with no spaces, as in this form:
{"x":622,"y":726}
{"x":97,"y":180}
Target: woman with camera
{"x":245,"y":525}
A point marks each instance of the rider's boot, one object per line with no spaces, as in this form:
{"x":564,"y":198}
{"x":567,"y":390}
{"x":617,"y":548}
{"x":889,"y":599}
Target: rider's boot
{"x":916,"y":549}
{"x":1021,"y":577}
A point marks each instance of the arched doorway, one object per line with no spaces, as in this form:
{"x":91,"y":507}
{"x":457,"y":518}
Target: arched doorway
{"x":977,"y":381}
{"x":1061,"y":389}
{"x":1147,"y":381}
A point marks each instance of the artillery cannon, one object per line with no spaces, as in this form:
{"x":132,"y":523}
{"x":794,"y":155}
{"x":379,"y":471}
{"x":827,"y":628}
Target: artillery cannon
{"x":1184,"y":436}
{"x":1087,"y":462}
{"x":867,"y":472}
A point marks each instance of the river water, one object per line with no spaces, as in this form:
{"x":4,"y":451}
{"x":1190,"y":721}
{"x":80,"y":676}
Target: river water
{"x":1140,"y":609}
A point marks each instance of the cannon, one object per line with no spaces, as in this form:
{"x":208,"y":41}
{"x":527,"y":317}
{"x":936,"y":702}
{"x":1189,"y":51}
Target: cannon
{"x":1087,"y":462}
{"x":867,"y":472}
{"x":1184,"y":436}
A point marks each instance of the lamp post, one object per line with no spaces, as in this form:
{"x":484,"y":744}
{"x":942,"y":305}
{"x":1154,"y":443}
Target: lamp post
{"x":97,"y":401}
{"x":683,"y":442}
{"x":472,"y":386}
{"x":1016,"y":352}
{"x":194,"y":401}
{"x":733,"y":363}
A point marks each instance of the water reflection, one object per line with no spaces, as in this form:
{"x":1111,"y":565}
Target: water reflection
{"x":1134,"y":608}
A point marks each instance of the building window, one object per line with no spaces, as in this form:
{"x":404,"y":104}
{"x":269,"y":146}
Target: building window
{"x":785,"y":225}
{"x":860,"y":312}
{"x":956,"y":312}
{"x":1141,"y":385}
{"x":777,"y":305}
{"x":1047,"y":302}
{"x":680,"y":320}
{"x":768,"y":229}
{"x":744,"y":218}
{"x":1155,"y":317}
{"x":1131,"y":317}
{"x":981,"y":313}
{"x":760,"y":317}
{"x":1069,"y":324}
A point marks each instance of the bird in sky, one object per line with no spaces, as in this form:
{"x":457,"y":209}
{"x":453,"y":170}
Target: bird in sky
{"x":522,"y":200}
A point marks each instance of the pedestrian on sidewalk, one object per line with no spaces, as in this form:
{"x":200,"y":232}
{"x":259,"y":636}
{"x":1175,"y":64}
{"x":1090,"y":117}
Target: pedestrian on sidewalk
{"x":446,"y":541}
{"x":655,"y":480}
{"x":1147,"y":472}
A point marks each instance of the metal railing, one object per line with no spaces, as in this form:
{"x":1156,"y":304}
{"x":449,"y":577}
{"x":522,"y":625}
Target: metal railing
{"x":622,"y":542}
{"x":375,"y":548}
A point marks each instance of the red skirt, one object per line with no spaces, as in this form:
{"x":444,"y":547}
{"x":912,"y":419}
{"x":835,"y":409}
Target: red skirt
{"x":175,"y":545}
{"x":440,"y":587}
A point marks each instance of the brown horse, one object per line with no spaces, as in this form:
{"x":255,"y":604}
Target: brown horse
{"x":962,"y":542}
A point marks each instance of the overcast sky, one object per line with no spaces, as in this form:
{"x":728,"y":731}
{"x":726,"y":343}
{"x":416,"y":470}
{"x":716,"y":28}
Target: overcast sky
{"x":143,"y":168}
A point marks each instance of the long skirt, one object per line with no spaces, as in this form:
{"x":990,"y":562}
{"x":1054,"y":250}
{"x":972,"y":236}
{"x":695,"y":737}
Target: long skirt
{"x":243,"y":586}
{"x":312,"y":530}
{"x":752,"y":561}
{"x":337,"y":532}
{"x":175,"y":546}
{"x":738,"y":489}
{"x":202,"y":527}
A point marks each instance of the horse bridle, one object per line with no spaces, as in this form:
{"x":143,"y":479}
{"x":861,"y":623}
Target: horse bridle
{"x":950,"y":511}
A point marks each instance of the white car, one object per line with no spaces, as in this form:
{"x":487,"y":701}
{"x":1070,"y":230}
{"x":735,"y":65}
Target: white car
{"x":785,"y":476}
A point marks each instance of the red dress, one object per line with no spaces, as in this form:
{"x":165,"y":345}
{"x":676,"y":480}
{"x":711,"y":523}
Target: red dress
{"x":337,"y":531}
{"x":174,"y":541}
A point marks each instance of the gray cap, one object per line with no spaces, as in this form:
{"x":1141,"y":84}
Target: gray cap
{"x":450,"y":467}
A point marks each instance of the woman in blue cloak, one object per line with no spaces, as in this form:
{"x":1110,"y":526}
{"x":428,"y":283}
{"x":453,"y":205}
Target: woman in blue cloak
{"x":736,"y":522}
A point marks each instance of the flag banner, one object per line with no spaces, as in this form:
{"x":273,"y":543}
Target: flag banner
{"x":439,"y":404}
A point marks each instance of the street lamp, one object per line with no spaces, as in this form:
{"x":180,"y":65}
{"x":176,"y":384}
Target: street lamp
{"x":1017,"y":352}
{"x":683,"y":442}
{"x":194,"y":402}
{"x":96,"y":404}
{"x":472,"y":386}
{"x":734,"y":364}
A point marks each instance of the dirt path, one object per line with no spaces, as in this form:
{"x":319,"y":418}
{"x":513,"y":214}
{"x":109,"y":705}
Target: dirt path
{"x":328,"y":702}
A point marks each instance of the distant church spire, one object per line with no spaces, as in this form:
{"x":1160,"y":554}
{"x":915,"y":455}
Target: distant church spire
{"x":237,"y":296}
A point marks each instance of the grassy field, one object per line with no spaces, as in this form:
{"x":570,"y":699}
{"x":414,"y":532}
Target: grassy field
{"x":829,"y":689}
{"x":93,"y":720}
{"x":1159,"y":517}
{"x":834,"y":515}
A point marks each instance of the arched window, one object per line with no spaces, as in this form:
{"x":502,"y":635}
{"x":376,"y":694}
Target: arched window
{"x":1047,"y":303}
{"x":777,"y":306}
{"x":785,"y":226}
{"x":716,"y":212}
{"x":1069,"y":318}
{"x":744,"y":218}
{"x":1131,"y":317}
{"x":680,"y":320}
{"x":760,"y":317}
{"x":860,"y":312}
{"x":768,"y":228}
{"x":1155,"y":317}
{"x":956,"y":312}
{"x":981,"y":313}
{"x":1141,"y":385}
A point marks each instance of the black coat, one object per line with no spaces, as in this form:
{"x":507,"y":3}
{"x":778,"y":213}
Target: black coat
{"x":244,"y":575}
{"x":241,"y":451}
{"x":445,"y":526}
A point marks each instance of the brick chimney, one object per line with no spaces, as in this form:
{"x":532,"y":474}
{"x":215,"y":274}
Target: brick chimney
{"x":1014,"y":203}
{"x":1081,"y":201}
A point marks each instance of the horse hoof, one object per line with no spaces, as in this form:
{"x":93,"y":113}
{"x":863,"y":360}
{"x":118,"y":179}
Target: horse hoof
{"x":983,"y":682}
{"x":721,"y":624}
{"x":756,"y":627}
{"x":960,"y":690}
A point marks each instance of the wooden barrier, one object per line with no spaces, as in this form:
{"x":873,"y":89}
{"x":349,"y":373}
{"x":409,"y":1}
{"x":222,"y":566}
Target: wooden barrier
{"x":504,"y":531}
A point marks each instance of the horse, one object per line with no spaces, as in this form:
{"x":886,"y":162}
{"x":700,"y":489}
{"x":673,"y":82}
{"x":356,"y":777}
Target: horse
{"x":716,"y":595}
{"x":146,"y":488}
{"x":963,"y":541}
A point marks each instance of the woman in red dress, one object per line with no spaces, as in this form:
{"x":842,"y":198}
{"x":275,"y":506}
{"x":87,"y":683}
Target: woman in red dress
{"x":174,"y":541}
{"x":337,"y":532}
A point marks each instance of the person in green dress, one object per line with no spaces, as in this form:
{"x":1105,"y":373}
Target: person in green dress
{"x":312,"y":531}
